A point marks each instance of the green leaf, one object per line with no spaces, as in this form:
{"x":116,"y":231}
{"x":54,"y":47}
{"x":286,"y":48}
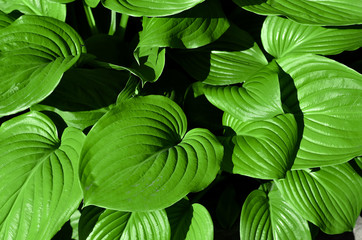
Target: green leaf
{"x":328,"y":96}
{"x":266,"y":215}
{"x":194,"y":28}
{"x":282,"y":36}
{"x":88,"y":219}
{"x":150,"y":8}
{"x":332,"y":12}
{"x":190,"y":222}
{"x":34,"y":53}
{"x":35,"y":7}
{"x":84,"y":95}
{"x":113,"y":225}
{"x":331,"y":197}
{"x":74,"y":223}
{"x":138,"y":156}
{"x":92,"y":3}
{"x":5,"y":20}
{"x":62,"y":1}
{"x":233,"y":58}
{"x":39,"y":177}
{"x":263,"y":149}
{"x":258,"y":98}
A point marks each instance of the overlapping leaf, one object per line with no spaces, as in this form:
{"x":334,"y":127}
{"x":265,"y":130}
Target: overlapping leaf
{"x":139,"y":152}
{"x":331,"y":197}
{"x":35,"y":7}
{"x":38,"y":177}
{"x":150,"y":8}
{"x":112,"y":225}
{"x":329,"y":97}
{"x":263,"y":149}
{"x":194,"y":28}
{"x":5,"y":20}
{"x":34,"y":53}
{"x":282,"y":36}
{"x":233,"y":58}
{"x":190,"y":222}
{"x":332,"y":12}
{"x":266,"y":215}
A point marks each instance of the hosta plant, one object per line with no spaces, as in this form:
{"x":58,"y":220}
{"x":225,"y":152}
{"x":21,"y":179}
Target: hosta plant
{"x":170,"y":119}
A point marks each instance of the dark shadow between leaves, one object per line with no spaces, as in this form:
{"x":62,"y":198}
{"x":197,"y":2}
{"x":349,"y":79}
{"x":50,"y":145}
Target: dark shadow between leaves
{"x":180,"y":216}
{"x":355,"y":166}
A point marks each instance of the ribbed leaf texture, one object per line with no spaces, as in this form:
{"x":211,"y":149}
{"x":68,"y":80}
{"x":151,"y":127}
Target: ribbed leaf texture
{"x":5,"y":20}
{"x":38,"y":177}
{"x":140,"y":151}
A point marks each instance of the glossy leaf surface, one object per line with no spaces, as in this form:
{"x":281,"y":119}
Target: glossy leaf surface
{"x":39,"y":177}
{"x":330,"y":197}
{"x":35,"y":52}
{"x":172,"y":163}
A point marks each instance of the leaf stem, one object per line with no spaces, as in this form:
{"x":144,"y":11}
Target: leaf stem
{"x":90,"y":19}
{"x":113,"y":25}
{"x":123,"y":25}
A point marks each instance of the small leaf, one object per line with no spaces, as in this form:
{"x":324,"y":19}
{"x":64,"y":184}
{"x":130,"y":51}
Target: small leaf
{"x":328,"y":95}
{"x":39,"y":177}
{"x":194,"y":28}
{"x":92,"y":3}
{"x":34,"y":53}
{"x":113,"y":225}
{"x":74,"y":223}
{"x":327,"y":13}
{"x":190,"y":222}
{"x":282,"y":36}
{"x":331,"y":197}
{"x":266,"y":215}
{"x":153,"y":8}
{"x":147,"y":156}
{"x":35,"y":7}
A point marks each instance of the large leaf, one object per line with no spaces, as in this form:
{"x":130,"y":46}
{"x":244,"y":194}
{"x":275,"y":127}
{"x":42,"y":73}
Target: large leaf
{"x":331,"y":12}
{"x":233,"y":58}
{"x":331,"y":197}
{"x":139,"y":157}
{"x":263,"y":149}
{"x":35,"y":7}
{"x":329,"y":98}
{"x":34,"y":53}
{"x":190,"y":221}
{"x":114,"y":225}
{"x":194,"y":28}
{"x":266,"y":215}
{"x":258,"y":98}
{"x":38,"y":177}
{"x":150,"y":8}
{"x":281,"y":36}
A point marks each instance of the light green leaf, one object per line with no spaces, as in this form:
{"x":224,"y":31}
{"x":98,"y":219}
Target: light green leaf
{"x":74,"y":223}
{"x":84,"y":95}
{"x":258,"y":98}
{"x":331,"y":12}
{"x":194,"y":28}
{"x":35,"y":7}
{"x":328,"y":95}
{"x":39,"y":177}
{"x":190,"y":221}
{"x":5,"y":20}
{"x":150,"y":8}
{"x":139,"y":152}
{"x":34,"y":53}
{"x":233,"y":58}
{"x":330,"y":197}
{"x":263,"y":149}
{"x":114,"y":225}
{"x":88,"y":219}
{"x":92,"y":3}
{"x":64,"y":1}
{"x":282,"y":36}
{"x":266,"y":215}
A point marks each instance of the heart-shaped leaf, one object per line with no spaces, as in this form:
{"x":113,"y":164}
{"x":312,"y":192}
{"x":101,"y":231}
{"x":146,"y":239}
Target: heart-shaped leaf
{"x":34,"y":53}
{"x":190,"y":221}
{"x":263,"y":149}
{"x":35,"y":7}
{"x":331,"y":12}
{"x":194,"y":28}
{"x":150,"y":8}
{"x":39,"y":177}
{"x":266,"y":215}
{"x":329,"y":98}
{"x":113,"y":225}
{"x":331,"y":197}
{"x":139,"y":152}
{"x":281,"y":36}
